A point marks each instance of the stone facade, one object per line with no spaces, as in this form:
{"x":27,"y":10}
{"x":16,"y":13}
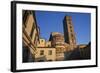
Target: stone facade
{"x":30,"y":36}
{"x":45,"y":54}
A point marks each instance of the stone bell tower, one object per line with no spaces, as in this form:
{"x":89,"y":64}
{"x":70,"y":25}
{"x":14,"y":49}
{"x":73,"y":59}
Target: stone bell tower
{"x":69,"y":33}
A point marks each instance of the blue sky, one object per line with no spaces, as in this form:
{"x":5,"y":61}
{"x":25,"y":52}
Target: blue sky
{"x":49,"y":21}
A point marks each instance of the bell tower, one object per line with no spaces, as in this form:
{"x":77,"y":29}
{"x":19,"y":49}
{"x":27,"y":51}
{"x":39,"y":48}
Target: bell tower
{"x":69,"y":33}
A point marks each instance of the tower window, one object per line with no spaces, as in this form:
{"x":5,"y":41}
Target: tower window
{"x":70,"y":26}
{"x":71,"y":30}
{"x":72,"y":35}
{"x":69,"y":22}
